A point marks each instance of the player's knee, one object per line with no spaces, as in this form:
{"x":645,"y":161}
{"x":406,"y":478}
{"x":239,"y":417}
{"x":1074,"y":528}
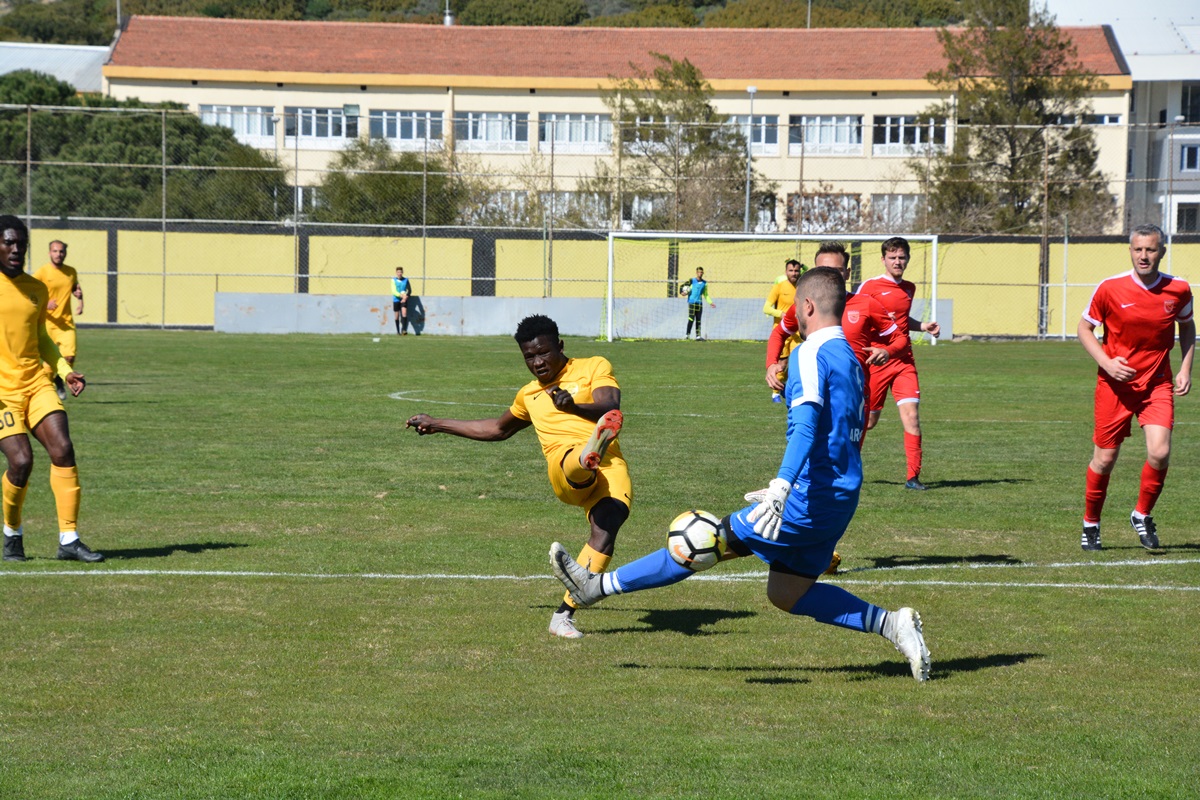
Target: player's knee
{"x":19,"y":467}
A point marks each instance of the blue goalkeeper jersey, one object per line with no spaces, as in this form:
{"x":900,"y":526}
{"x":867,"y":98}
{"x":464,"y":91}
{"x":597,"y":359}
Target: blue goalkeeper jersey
{"x":824,"y":377}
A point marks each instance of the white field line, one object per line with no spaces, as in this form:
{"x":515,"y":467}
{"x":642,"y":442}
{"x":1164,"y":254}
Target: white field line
{"x":732,"y":577}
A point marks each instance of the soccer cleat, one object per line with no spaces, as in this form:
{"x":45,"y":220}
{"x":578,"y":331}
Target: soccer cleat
{"x":60,"y":388}
{"x":77,"y":551}
{"x":903,"y":629}
{"x":1090,"y":540}
{"x":915,"y":484}
{"x":562,"y":624}
{"x":583,"y":586}
{"x":1146,"y":530}
{"x":834,"y":563}
{"x":14,"y":548}
{"x":606,"y":430}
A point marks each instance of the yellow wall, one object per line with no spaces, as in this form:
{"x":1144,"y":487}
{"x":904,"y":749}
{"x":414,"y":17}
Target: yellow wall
{"x":366,"y":265}
{"x":578,"y":269}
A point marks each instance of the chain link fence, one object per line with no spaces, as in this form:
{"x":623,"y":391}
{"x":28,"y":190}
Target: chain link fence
{"x":163,"y":209}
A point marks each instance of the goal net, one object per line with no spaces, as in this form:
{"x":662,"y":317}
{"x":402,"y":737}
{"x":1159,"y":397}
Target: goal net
{"x":647,"y":270}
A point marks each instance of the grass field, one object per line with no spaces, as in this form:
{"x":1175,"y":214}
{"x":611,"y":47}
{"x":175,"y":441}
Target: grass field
{"x":303,"y":600}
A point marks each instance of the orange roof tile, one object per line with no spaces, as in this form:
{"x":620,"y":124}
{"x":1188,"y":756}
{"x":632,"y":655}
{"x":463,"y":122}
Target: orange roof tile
{"x":578,"y":53}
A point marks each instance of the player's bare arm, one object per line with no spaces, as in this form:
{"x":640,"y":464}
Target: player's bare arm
{"x":78,"y":293}
{"x":481,"y":430}
{"x":773,"y":372}
{"x":1187,"y":347}
{"x":75,"y":383}
{"x":1116,"y":368}
{"x":605,"y":399}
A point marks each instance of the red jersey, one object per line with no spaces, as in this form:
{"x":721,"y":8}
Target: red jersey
{"x":1139,"y":323}
{"x":896,"y":297}
{"x":865,"y":322}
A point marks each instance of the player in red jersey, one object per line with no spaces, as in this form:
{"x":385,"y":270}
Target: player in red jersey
{"x":1139,"y":310}
{"x":900,"y":373}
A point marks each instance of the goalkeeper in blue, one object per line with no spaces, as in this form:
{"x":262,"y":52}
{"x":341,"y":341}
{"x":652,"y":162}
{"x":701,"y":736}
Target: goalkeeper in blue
{"x":795,"y":523}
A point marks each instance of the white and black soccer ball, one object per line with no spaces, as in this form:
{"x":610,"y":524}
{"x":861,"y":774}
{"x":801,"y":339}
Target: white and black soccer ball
{"x":696,"y":540}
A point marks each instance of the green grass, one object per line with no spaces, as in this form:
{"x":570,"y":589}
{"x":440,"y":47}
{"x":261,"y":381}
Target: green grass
{"x":278,"y":616}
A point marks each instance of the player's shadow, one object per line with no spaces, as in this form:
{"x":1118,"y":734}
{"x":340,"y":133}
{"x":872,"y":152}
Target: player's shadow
{"x":687,"y":621}
{"x":784,"y":675}
{"x":167,"y":550}
{"x":959,"y":484}
{"x":892,"y":562}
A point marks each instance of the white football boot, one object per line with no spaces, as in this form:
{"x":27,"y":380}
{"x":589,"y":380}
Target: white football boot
{"x":903,"y":629}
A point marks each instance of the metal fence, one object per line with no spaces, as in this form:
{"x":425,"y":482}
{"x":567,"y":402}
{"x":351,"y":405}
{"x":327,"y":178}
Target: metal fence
{"x":162,"y":208}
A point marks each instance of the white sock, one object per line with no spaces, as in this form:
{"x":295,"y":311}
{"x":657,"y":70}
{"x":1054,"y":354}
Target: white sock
{"x":11,"y":532}
{"x":1137,"y":516}
{"x":609,"y":584}
{"x":66,"y":537}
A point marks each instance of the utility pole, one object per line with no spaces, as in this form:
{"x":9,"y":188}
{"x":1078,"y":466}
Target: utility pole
{"x":1044,"y":250}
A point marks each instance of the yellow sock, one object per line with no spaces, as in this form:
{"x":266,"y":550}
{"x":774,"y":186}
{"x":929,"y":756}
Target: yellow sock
{"x":576,"y":473}
{"x":14,"y":500}
{"x":594,"y":561}
{"x":64,"y":482}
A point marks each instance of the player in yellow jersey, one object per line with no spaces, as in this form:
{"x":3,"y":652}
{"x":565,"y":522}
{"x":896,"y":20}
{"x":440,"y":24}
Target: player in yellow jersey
{"x":28,"y":403}
{"x":574,"y":406}
{"x":63,"y":282}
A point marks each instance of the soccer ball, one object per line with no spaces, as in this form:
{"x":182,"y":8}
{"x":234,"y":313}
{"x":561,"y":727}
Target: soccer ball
{"x":696,"y":540}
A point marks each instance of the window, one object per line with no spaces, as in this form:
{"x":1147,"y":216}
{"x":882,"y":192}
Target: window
{"x":253,"y":125}
{"x":319,"y":127}
{"x":824,"y":135}
{"x":1101,"y":119}
{"x":638,"y":209}
{"x":896,"y":212}
{"x":824,"y":213}
{"x":491,"y":131}
{"x":408,"y":130}
{"x":1187,"y":218}
{"x":902,"y":136}
{"x":761,"y":131}
{"x":1189,"y":158}
{"x":1190,"y":105}
{"x":588,"y":209}
{"x":575,"y":133}
{"x":646,"y":131}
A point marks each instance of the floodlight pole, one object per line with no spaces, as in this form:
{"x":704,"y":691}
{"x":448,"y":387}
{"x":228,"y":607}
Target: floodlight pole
{"x":749,"y":160}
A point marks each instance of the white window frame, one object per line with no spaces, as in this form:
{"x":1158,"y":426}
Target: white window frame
{"x":1189,"y":158}
{"x":1101,"y":119}
{"x":762,"y":131}
{"x":319,"y":128}
{"x":491,"y":131}
{"x":825,"y":135}
{"x":575,"y":133}
{"x":897,"y":212}
{"x":905,"y":126}
{"x":251,"y":125}
{"x":408,"y":130}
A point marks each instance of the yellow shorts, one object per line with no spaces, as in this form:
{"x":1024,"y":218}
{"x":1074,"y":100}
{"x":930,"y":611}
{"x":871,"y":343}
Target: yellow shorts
{"x":612,"y":480}
{"x":21,"y":412}
{"x":64,"y":338}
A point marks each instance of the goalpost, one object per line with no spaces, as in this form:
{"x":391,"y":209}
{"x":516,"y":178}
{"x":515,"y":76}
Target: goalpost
{"x":647,"y":269}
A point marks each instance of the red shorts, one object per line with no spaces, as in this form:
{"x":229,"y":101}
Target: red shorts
{"x":1154,"y":405}
{"x":900,"y":377}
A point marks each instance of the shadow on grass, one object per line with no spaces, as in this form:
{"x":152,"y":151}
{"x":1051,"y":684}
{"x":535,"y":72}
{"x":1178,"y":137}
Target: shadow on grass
{"x":858,"y":672}
{"x":959,"y":484}
{"x":167,"y":550}
{"x":688,"y":621}
{"x":886,"y":562}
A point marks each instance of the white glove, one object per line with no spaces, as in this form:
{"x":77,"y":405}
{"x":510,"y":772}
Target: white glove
{"x":768,"y":514}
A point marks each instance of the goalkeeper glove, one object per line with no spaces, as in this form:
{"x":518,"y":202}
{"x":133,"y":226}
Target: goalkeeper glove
{"x":768,"y":514}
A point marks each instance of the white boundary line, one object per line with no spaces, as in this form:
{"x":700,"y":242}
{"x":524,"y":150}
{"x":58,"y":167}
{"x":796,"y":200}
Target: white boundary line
{"x":733,"y":577}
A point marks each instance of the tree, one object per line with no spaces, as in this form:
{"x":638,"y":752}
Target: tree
{"x":1019,"y":158}
{"x":664,"y":16}
{"x":676,"y":150}
{"x":369,"y":183}
{"x":524,"y":12}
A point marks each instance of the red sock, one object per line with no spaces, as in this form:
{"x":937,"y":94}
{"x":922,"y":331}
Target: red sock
{"x":1093,"y":496}
{"x":1150,"y":489}
{"x":912,"y":454}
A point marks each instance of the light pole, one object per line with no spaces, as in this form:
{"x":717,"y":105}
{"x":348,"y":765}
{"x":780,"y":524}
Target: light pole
{"x":1171,"y":215}
{"x":808,"y":22}
{"x":751,"y":90}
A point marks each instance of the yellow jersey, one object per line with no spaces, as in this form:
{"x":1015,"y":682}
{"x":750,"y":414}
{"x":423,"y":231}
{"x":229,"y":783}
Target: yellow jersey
{"x":24,"y":342}
{"x":60,"y":282}
{"x":580,"y":377}
{"x":782,"y":295}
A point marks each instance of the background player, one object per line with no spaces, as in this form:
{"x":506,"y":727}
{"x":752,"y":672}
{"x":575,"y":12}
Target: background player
{"x":795,"y":523}
{"x":780,"y":299}
{"x":900,"y":373}
{"x":28,"y":402}
{"x":696,"y":291}
{"x":400,"y":293}
{"x":62,"y":282}
{"x":1139,"y":310}
{"x":574,"y":405}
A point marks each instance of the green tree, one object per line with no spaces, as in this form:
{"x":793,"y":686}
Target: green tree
{"x":676,"y":150}
{"x":663,"y":16}
{"x":369,"y":183}
{"x":64,"y":22}
{"x":1018,"y":157}
{"x":524,"y":12}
